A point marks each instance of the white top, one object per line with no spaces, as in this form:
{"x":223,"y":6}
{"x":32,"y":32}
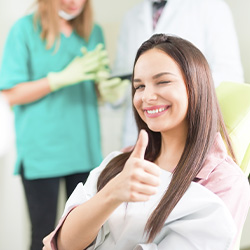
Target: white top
{"x":200,"y":220}
{"x":208,"y":24}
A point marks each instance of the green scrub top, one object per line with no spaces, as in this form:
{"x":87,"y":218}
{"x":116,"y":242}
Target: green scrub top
{"x":58,"y":134}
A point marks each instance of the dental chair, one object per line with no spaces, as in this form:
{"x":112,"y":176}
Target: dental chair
{"x":234,"y":101}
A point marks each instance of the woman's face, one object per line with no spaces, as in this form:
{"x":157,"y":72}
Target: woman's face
{"x":160,"y":96}
{"x":72,"y":7}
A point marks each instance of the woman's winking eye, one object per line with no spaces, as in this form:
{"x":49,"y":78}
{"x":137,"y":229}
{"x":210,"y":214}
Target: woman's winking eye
{"x":163,"y":82}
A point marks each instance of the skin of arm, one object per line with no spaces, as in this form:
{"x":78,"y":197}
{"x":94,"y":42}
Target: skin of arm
{"x":137,"y":182}
{"x":27,"y":92}
{"x":87,"y":218}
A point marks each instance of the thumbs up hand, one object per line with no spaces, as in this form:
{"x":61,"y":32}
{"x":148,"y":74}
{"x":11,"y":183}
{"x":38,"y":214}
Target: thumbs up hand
{"x":139,"y":178}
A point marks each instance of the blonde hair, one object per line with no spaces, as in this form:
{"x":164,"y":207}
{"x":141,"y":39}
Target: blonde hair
{"x":47,"y":15}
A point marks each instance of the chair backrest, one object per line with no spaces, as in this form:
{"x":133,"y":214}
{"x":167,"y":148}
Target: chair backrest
{"x":234,"y":101}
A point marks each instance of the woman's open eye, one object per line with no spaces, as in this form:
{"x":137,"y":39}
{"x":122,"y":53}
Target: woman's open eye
{"x":139,"y":87}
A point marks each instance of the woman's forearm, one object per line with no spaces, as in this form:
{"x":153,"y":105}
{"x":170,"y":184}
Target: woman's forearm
{"x":84,"y":222}
{"x":27,"y":92}
{"x":137,"y":182}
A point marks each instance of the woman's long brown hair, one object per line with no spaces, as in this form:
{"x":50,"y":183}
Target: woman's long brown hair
{"x":204,"y":121}
{"x":47,"y":15}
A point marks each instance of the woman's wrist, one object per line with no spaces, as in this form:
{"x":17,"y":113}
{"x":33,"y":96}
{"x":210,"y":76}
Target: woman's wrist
{"x":110,"y":196}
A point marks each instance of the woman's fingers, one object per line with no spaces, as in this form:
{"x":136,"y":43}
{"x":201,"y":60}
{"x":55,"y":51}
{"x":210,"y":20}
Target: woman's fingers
{"x":143,"y":188}
{"x":139,"y":197}
{"x":148,"y":173}
{"x":140,"y":178}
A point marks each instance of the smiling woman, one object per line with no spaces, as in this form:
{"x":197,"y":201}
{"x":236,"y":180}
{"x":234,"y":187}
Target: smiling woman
{"x":163,"y":194}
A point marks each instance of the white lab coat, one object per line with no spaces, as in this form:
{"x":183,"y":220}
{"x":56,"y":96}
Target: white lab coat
{"x":200,"y":220}
{"x":208,"y":24}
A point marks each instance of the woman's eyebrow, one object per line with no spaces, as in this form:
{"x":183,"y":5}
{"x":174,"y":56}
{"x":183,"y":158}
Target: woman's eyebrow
{"x":161,"y":74}
{"x":136,"y":80}
{"x":155,"y":76}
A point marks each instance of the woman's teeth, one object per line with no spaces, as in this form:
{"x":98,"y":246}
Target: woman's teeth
{"x":154,"y":111}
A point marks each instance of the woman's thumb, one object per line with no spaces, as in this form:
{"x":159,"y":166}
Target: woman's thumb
{"x":141,"y":145}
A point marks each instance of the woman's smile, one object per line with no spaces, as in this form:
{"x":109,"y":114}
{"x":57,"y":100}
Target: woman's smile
{"x":156,"y":111}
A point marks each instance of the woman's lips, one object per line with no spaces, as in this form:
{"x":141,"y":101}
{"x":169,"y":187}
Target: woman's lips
{"x":155,"y":111}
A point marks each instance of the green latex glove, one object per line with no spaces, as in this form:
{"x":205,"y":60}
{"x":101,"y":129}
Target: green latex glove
{"x":102,"y":74}
{"x":113,"y":90}
{"x":81,"y":68}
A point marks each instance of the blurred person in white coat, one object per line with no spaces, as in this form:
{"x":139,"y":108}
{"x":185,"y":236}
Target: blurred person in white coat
{"x":208,"y":24}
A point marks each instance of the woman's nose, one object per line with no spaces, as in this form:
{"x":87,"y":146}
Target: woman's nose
{"x":149,"y":95}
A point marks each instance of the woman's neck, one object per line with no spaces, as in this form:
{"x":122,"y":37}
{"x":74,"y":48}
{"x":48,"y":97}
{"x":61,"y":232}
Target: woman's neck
{"x":65,"y":27}
{"x":172,"y":147}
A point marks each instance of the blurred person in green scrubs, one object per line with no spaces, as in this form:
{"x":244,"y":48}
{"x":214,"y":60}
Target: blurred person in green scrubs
{"x":48,"y":72}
